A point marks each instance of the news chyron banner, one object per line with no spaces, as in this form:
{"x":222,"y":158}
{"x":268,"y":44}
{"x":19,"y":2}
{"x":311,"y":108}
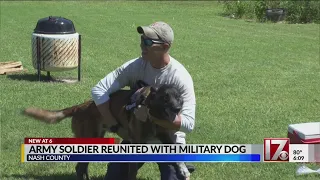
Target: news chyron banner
{"x":109,"y":150}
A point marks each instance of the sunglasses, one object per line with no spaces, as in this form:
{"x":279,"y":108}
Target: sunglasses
{"x":150,"y":42}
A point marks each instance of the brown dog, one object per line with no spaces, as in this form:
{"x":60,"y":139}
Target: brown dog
{"x":163,"y":103}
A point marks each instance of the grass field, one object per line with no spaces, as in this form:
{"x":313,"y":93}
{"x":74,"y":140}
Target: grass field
{"x":251,"y":80}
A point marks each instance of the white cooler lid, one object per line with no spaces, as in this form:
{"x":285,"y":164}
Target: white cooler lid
{"x":306,"y":130}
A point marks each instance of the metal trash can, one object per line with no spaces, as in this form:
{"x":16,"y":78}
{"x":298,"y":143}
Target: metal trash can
{"x":276,"y":14}
{"x":56,"y":46}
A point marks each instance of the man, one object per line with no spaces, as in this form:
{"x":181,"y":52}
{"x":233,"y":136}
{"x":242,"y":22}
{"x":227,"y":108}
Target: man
{"x":155,"y":67}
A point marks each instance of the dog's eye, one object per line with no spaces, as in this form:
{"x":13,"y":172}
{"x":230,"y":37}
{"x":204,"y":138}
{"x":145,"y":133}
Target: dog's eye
{"x":166,"y":98}
{"x":176,"y":110}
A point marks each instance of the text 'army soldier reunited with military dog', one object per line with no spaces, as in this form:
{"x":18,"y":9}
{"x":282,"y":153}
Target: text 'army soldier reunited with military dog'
{"x":155,"y":66}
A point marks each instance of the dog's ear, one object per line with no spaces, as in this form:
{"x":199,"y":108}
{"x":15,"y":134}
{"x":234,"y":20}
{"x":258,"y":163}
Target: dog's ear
{"x":153,"y":92}
{"x":151,"y":96}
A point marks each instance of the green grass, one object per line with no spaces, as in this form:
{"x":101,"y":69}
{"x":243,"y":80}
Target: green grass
{"x":251,"y":80}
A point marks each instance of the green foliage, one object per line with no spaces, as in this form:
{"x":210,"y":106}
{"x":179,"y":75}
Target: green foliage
{"x":305,"y":11}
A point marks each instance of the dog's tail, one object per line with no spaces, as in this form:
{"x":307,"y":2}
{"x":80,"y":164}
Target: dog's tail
{"x":52,"y":117}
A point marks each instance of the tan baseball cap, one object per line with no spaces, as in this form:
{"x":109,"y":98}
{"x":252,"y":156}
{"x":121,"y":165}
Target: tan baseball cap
{"x":158,"y":30}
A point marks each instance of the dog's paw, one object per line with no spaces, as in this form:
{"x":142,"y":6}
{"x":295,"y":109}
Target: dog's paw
{"x":184,"y":170}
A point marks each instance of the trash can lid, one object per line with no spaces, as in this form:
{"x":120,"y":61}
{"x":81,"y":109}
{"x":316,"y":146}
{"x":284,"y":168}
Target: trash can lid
{"x":54,"y":25}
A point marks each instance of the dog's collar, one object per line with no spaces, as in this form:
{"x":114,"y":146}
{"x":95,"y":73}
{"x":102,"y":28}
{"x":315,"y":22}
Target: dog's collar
{"x":143,"y":99}
{"x":140,"y":97}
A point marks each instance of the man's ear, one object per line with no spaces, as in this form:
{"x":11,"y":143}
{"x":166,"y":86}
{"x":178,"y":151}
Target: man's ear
{"x":166,"y":46}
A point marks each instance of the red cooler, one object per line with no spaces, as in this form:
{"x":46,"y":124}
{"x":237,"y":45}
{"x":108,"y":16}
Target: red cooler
{"x":304,"y":133}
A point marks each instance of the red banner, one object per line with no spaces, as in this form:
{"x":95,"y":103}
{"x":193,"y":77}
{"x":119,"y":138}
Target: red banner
{"x":71,"y":141}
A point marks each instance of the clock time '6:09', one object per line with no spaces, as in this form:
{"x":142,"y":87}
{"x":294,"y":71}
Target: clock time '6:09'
{"x":301,"y":158}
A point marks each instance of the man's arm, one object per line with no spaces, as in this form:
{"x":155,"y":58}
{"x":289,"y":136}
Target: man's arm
{"x":186,"y":120}
{"x":111,"y":83}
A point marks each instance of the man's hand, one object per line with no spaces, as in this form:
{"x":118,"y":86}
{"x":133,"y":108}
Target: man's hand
{"x":110,"y":121}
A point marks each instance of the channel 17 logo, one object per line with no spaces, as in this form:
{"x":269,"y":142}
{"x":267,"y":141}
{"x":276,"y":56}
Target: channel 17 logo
{"x":276,"y":149}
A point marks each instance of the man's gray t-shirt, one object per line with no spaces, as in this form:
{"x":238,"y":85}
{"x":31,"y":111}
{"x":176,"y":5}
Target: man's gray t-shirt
{"x":139,"y":69}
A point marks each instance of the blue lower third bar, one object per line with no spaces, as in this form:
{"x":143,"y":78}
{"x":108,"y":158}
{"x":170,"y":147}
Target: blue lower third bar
{"x":145,"y":157}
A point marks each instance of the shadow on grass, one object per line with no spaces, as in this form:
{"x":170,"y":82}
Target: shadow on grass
{"x":46,"y":177}
{"x":27,"y":77}
{"x":53,"y":177}
{"x":43,"y":78}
